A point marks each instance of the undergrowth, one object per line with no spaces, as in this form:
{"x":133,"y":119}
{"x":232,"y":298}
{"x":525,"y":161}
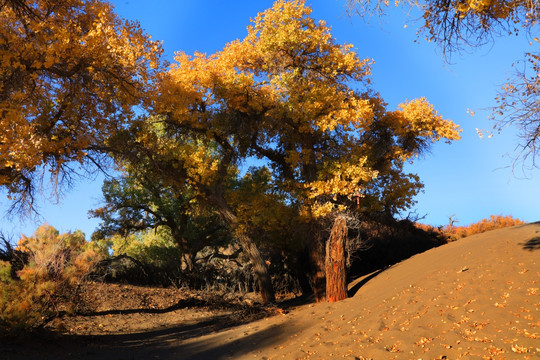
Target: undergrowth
{"x":48,"y":281}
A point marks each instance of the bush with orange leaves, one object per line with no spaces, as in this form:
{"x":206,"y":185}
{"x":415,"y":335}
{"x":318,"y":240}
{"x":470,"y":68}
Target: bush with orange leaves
{"x":494,"y":222}
{"x":452,"y":232}
{"x":49,"y":281}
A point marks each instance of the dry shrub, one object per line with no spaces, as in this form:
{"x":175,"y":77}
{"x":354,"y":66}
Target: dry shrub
{"x":48,"y":283}
{"x":494,"y":222}
{"x":452,"y":232}
{"x":438,"y":232}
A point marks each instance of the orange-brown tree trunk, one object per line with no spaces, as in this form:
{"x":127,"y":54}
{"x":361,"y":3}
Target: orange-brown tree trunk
{"x":336,"y":274}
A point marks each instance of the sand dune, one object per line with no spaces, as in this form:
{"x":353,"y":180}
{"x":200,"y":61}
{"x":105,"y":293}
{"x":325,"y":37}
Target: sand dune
{"x":476,"y":298}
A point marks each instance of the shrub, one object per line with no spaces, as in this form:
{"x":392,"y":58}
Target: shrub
{"x":148,"y":257}
{"x":457,"y":232}
{"x":48,"y":283}
{"x":153,"y":247}
{"x":494,"y":222}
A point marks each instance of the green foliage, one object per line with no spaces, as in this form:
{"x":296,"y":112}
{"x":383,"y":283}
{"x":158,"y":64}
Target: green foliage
{"x":152,"y":247}
{"x":152,"y":257}
{"x":137,"y":202}
{"x":48,"y":282}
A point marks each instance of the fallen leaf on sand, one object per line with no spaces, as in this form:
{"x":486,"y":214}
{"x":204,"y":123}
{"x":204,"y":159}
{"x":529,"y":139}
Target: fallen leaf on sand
{"x":519,"y":349}
{"x":423,"y":341}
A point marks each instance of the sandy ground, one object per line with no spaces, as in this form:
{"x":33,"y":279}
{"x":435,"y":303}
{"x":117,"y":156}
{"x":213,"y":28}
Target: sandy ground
{"x":476,"y":298}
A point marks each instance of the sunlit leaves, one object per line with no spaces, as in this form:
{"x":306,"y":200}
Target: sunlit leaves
{"x":287,"y":93}
{"x":71,"y":73}
{"x":420,"y":120}
{"x":458,"y":25}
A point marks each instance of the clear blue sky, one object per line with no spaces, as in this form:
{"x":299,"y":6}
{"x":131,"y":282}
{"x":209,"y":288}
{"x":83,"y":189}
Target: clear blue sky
{"x":470,"y":179}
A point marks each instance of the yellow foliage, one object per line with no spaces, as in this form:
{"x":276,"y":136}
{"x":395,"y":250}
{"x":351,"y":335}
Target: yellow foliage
{"x":419,"y":120}
{"x":457,"y":232}
{"x":285,"y":93}
{"x":263,"y":211}
{"x":70,"y":72}
{"x":495,"y":8}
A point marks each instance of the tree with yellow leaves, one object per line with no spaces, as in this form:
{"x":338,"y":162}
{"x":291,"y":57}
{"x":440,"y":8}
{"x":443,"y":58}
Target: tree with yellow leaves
{"x":459,"y":24}
{"x":71,"y":73}
{"x":290,"y":94}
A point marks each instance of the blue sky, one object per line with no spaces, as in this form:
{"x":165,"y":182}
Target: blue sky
{"x":469,"y":179}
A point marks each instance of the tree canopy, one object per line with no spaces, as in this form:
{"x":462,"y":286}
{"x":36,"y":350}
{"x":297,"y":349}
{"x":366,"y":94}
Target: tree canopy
{"x":291,"y":95}
{"x":285,"y":94}
{"x":71,"y":73}
{"x":78,"y":82}
{"x":457,"y":25}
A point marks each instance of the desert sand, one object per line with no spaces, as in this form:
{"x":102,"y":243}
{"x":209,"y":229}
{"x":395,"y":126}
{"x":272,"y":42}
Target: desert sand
{"x":476,"y":298}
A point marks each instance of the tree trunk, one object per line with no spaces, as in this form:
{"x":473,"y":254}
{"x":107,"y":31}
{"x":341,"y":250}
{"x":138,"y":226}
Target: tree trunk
{"x":300,"y":265}
{"x":260,"y":268}
{"x":188,"y":262}
{"x":188,"y":252}
{"x":250,"y":248}
{"x":316,"y":256}
{"x":336,"y":276}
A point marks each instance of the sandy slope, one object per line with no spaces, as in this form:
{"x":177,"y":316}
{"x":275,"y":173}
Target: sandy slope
{"x":477,"y":298}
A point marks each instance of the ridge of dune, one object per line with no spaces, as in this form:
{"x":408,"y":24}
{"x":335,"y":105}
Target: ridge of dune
{"x":475,"y":298}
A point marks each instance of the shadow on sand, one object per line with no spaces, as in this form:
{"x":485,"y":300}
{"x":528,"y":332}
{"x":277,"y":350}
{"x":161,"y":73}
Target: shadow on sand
{"x":177,"y":342}
{"x":354,"y":289}
{"x":182,"y":304}
{"x":532,"y":244}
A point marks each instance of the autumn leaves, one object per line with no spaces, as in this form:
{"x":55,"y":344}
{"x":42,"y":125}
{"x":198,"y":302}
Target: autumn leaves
{"x":71,"y":73}
{"x":286,"y":94}
{"x":79,"y":83}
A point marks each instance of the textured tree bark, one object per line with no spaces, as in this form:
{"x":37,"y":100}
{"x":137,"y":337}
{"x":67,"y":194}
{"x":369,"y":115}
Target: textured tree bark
{"x":336,"y":276}
{"x":260,"y":269}
{"x":188,"y":261}
{"x":259,"y":265}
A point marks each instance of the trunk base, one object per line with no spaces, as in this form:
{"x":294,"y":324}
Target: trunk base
{"x":336,"y":272}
